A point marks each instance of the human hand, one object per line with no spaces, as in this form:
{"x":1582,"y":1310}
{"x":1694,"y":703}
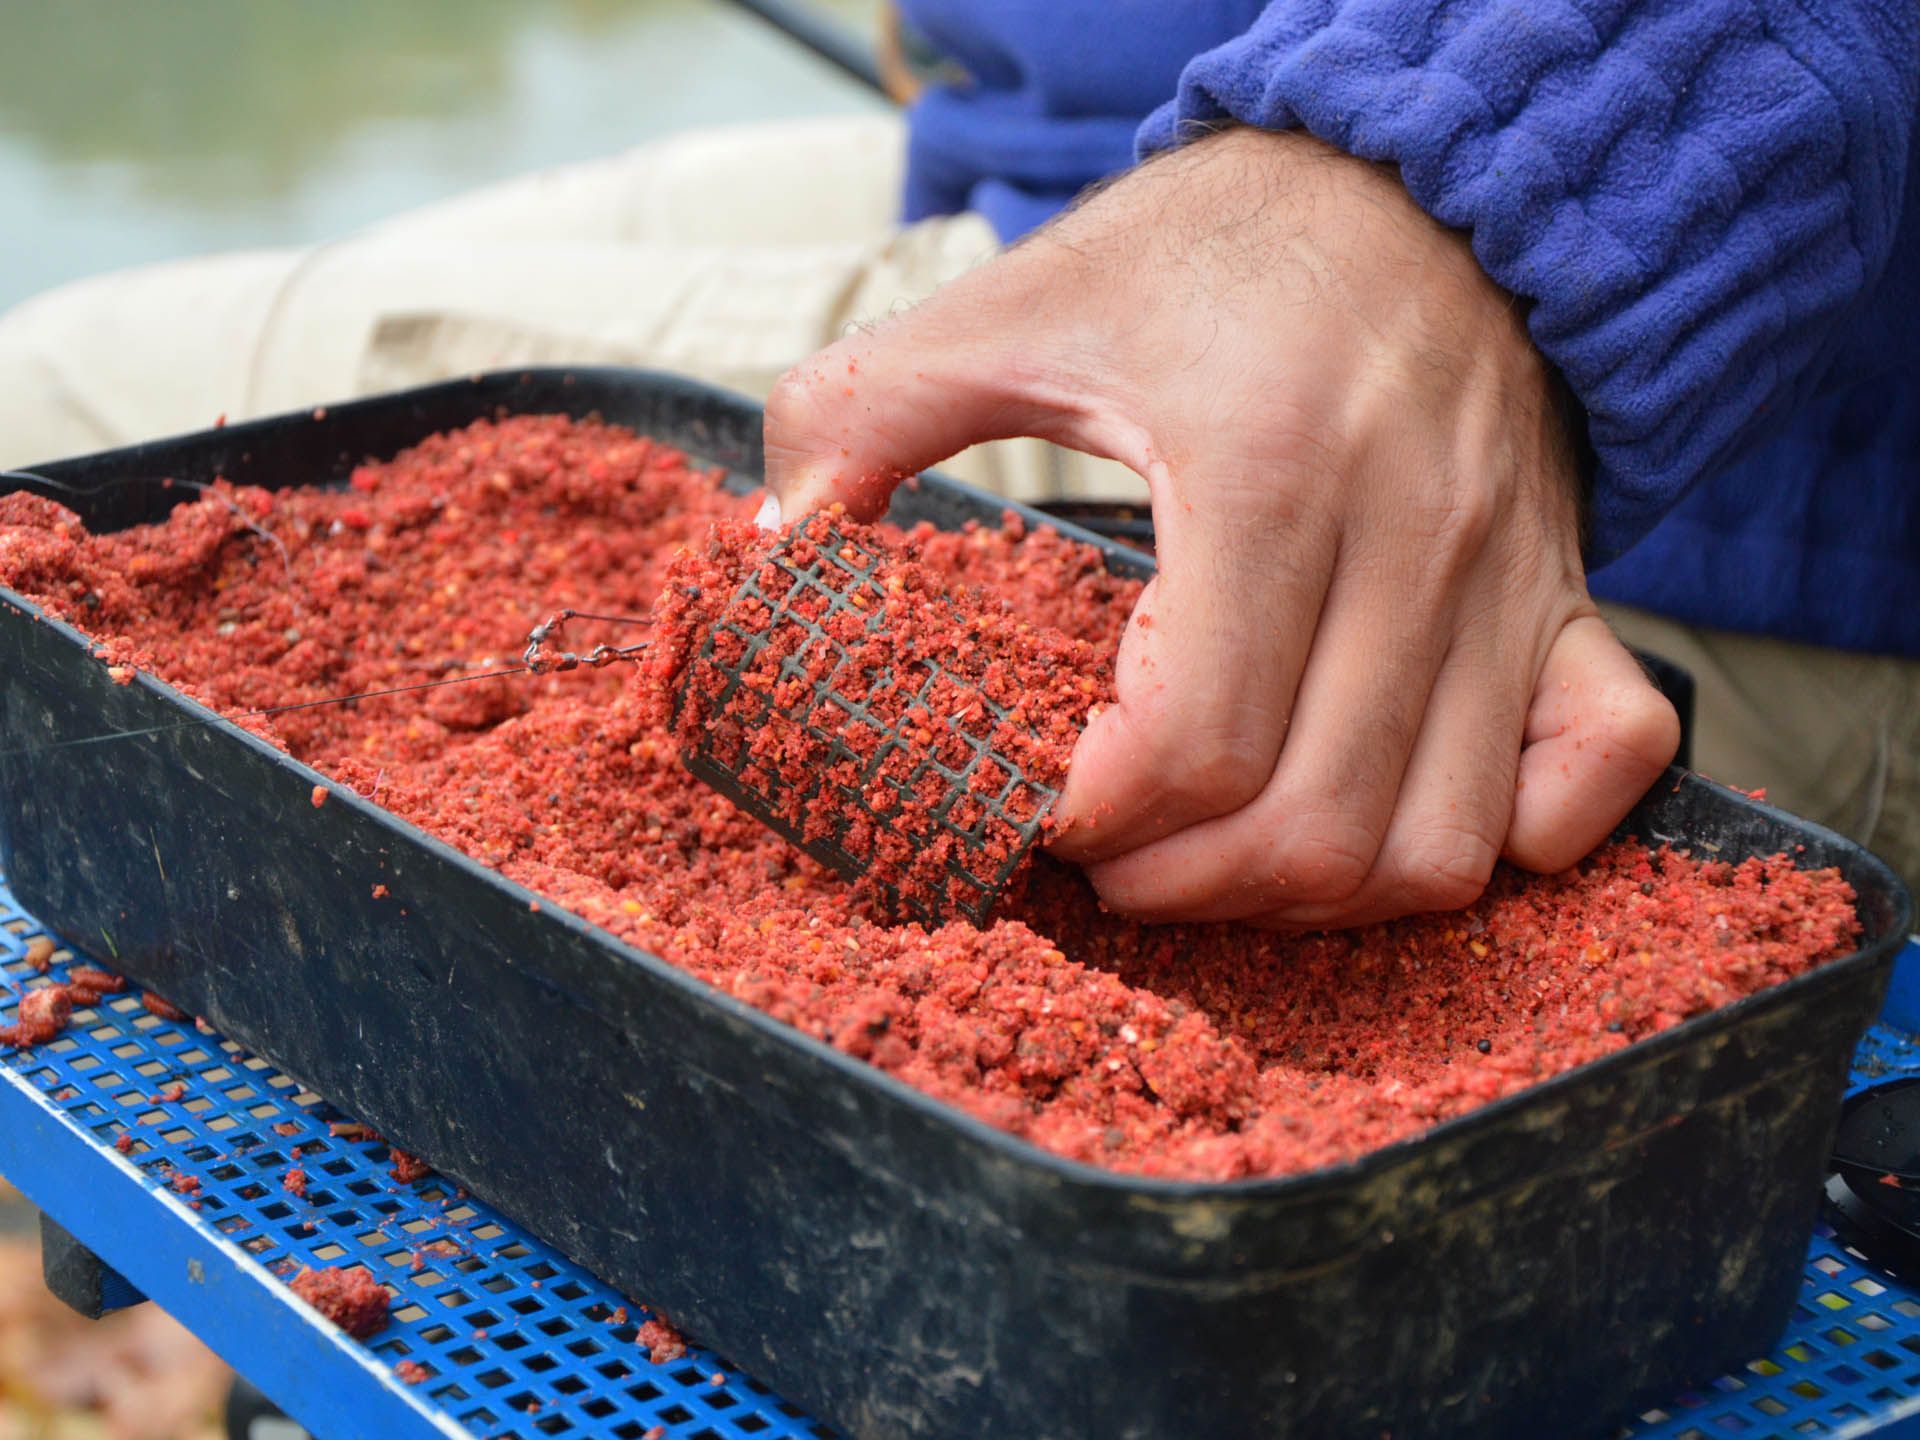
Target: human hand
{"x":1369,"y":664}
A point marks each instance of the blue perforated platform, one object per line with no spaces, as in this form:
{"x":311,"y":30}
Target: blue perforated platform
{"x":517,"y":1343}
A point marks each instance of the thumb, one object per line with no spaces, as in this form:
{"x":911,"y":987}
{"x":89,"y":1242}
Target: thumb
{"x":1598,"y":734}
{"x":859,"y":417}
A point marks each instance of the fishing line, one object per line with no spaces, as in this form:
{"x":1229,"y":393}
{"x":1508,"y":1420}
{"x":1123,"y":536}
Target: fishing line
{"x":199,"y":487}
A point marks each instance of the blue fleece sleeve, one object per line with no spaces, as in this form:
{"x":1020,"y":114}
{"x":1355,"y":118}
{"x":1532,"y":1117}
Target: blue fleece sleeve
{"x":1698,"y":196}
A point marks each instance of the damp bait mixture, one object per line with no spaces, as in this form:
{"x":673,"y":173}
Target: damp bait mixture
{"x":351,"y":1299}
{"x":916,"y":732}
{"x":1194,"y":1051}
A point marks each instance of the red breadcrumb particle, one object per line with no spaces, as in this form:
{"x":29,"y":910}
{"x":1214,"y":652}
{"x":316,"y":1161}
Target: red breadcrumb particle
{"x":351,"y":1130}
{"x":408,"y":1168}
{"x":43,"y":1015}
{"x":287,"y":1127}
{"x":294,"y":1182}
{"x":95,"y":981}
{"x":351,"y":1299}
{"x":411,"y":1372}
{"x":320,"y":793}
{"x":124,"y":1142}
{"x":1193,"y":1052}
{"x":120,"y":674}
{"x":172,"y":1095}
{"x":655,"y":1432}
{"x":186,"y":1184}
{"x":40,"y":953}
{"x":1893,"y":1180}
{"x":717,"y":1378}
{"x":661,"y":1341}
{"x":161,"y":1006}
{"x":380,"y":892}
{"x":619,"y":1316}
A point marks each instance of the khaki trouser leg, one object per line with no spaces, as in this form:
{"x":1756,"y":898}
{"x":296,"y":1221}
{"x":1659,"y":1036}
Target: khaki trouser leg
{"x":700,"y":252}
{"x":1832,"y":735}
{"x":725,"y":255}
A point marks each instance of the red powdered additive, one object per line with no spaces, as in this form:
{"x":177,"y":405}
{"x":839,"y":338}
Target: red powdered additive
{"x":43,"y":1014}
{"x":351,"y":1299}
{"x":661,"y":1341}
{"x":408,"y":1168}
{"x":161,"y":1006}
{"x":92,"y":978}
{"x":1190,"y":1051}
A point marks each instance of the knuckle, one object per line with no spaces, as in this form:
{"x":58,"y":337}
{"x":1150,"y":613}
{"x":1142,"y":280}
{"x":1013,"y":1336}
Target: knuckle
{"x":1220,"y":771}
{"x":1641,"y":722}
{"x":1299,"y":440}
{"x":1264,"y":503}
{"x":1322,"y":861}
{"x":1446,"y":869}
{"x":789,"y":407}
{"x":1461,"y":517}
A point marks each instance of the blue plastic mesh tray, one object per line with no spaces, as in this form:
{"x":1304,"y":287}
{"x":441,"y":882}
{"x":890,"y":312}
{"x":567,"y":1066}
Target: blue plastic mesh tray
{"x":518,"y":1342}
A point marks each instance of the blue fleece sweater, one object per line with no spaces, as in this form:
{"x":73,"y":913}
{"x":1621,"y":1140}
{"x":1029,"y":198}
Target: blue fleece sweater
{"x":1713,"y":207}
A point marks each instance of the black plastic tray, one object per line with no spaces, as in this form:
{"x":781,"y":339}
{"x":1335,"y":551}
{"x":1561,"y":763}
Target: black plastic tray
{"x":1532,"y":1269}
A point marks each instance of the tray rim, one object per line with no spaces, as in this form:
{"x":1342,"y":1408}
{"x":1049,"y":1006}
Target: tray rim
{"x":1006,"y":1146}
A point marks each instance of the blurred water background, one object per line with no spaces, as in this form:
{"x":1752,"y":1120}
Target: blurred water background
{"x":136,"y":130}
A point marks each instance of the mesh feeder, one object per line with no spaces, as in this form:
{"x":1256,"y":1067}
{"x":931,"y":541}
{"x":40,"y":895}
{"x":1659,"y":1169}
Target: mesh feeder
{"x":883,"y":764}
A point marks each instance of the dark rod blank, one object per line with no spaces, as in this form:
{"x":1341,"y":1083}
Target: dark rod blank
{"x":821,"y":34}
